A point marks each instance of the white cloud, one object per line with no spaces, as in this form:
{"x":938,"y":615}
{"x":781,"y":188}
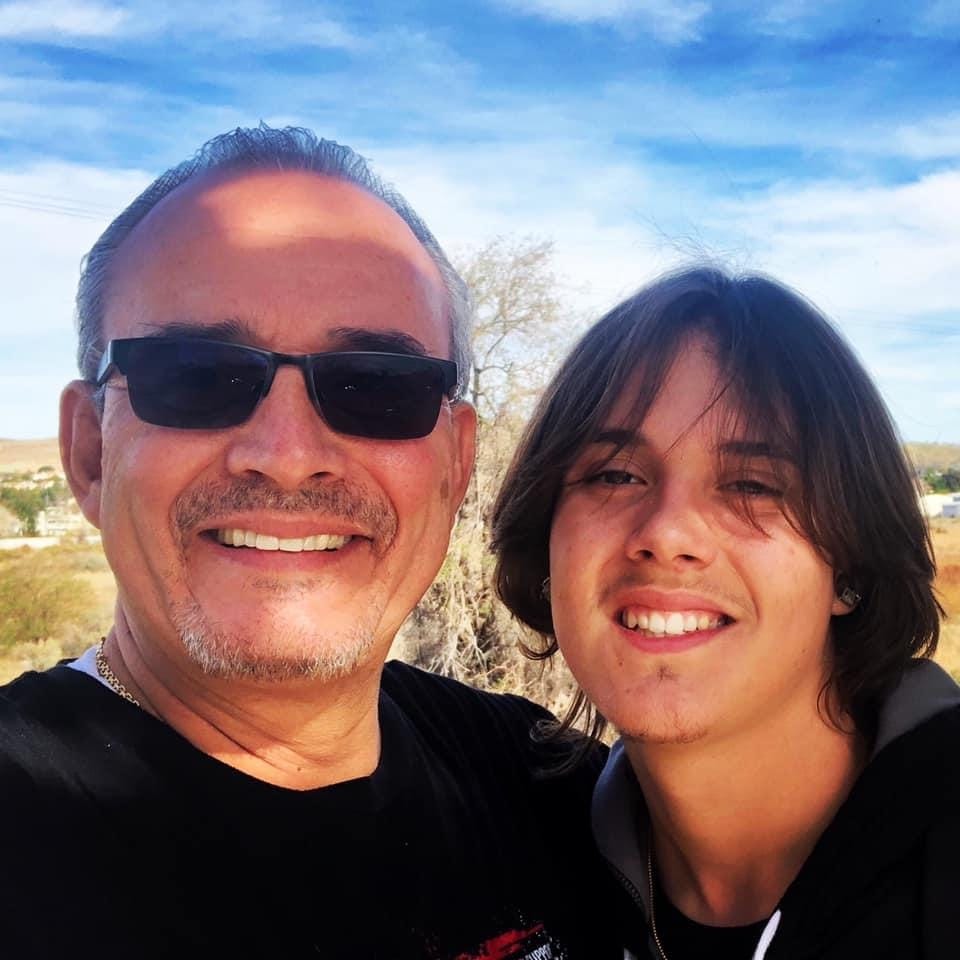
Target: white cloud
{"x":50,"y":215}
{"x":870,"y":249}
{"x":269,"y":25}
{"x":663,"y":112}
{"x":70,"y":18}
{"x":589,"y":205}
{"x":672,"y":21}
{"x":931,"y":138}
{"x":882,"y":260}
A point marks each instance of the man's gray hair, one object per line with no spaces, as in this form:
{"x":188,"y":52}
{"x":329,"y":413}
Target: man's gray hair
{"x":290,"y":148}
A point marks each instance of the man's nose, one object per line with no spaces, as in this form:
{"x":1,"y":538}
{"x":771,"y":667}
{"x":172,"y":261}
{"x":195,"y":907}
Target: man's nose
{"x":286,"y":439}
{"x":673,"y":528}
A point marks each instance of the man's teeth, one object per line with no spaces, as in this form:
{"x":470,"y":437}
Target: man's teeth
{"x":263,"y":541}
{"x":671,"y":623}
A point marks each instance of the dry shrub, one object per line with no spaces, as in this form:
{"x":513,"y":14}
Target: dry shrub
{"x":948,"y":587}
{"x":946,"y":545}
{"x":40,"y":596}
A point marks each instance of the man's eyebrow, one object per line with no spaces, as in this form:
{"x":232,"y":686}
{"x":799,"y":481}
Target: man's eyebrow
{"x":233,"y":330}
{"x":754,"y":448}
{"x":380,"y":341}
{"x":230,"y":330}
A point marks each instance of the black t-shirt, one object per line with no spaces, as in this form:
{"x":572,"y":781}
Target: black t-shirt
{"x":124,"y":840}
{"x":685,"y":939}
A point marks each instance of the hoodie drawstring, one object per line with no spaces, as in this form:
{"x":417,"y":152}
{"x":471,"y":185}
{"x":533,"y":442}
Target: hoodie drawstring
{"x":766,"y":938}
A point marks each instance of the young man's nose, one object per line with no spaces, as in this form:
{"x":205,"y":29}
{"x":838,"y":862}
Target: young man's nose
{"x":672,"y":528}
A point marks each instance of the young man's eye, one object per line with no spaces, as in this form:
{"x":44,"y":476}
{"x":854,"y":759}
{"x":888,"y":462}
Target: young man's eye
{"x":753,"y":488}
{"x":615,"y":478}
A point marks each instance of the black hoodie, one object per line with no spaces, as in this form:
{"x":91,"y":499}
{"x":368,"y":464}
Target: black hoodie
{"x":883,"y":881}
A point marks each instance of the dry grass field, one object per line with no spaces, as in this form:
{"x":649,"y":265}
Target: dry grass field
{"x":26,"y":455}
{"x":946,"y":544}
{"x":937,"y":456}
{"x":88,"y":566}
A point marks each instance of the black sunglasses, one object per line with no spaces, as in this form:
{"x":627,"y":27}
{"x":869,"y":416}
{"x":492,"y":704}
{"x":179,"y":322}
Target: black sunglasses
{"x":195,"y":384}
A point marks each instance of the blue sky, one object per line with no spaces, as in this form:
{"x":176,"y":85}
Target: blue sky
{"x":819,"y":142}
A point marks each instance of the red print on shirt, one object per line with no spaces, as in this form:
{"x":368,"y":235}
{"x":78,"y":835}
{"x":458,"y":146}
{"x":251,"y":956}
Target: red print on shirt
{"x":530,"y":944}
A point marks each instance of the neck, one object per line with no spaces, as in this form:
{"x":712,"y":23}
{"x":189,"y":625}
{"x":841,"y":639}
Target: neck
{"x":298,"y":734}
{"x":732,"y":824}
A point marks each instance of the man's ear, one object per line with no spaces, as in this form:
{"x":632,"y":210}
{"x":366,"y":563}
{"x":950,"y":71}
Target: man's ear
{"x":845,"y":597}
{"x":465,"y":440}
{"x":80,"y":446}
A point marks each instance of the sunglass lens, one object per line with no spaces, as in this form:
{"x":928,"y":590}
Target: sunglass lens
{"x":380,"y":397}
{"x":193,"y":384}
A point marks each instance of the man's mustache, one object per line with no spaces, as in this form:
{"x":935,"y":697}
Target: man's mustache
{"x":372,"y":515}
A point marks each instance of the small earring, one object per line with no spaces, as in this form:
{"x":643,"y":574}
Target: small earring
{"x":849,"y":597}
{"x":545,"y":589}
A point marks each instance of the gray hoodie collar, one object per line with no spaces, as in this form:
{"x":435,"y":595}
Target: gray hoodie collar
{"x":619,"y":814}
{"x":925,"y":690}
{"x":619,"y":817}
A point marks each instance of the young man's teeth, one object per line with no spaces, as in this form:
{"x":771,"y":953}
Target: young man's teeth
{"x":262,"y":541}
{"x":671,"y":623}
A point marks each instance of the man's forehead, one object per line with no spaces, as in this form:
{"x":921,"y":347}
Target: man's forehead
{"x":304,"y":250}
{"x":266,"y":208}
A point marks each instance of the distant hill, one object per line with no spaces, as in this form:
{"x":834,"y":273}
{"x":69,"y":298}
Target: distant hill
{"x":934,"y":456}
{"x":18,"y":456}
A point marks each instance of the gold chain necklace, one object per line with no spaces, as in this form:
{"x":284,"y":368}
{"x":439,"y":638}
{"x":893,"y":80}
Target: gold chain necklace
{"x":653,"y":915}
{"x":113,"y":681}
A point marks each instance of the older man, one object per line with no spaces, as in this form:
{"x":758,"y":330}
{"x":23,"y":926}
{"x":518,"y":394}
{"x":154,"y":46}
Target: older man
{"x":269,"y":436}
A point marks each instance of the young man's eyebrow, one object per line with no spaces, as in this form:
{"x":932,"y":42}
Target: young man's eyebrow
{"x":621,"y":437}
{"x":618,"y":437}
{"x":754,"y":448}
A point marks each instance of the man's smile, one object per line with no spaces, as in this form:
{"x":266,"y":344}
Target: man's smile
{"x":672,"y":623}
{"x":236,"y":537}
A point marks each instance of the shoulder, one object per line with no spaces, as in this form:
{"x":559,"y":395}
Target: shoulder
{"x":35,"y":711}
{"x":29,"y":697}
{"x":929,"y":748}
{"x":481,"y":723}
{"x":35,"y":694}
{"x":43,"y":716}
{"x":425,"y":693}
{"x":403,"y":680}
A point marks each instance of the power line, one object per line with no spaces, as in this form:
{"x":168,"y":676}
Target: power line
{"x":62,"y":206}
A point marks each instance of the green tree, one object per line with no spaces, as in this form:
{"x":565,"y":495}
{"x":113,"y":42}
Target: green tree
{"x":26,"y":503}
{"x":943,"y":481}
{"x":54,"y":492}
